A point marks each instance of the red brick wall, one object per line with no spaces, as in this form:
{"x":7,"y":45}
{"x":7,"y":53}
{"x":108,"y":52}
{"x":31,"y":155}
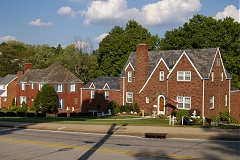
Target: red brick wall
{"x":235,"y":104}
{"x":11,"y":93}
{"x":191,"y":88}
{"x":99,"y":99}
{"x":218,"y":89}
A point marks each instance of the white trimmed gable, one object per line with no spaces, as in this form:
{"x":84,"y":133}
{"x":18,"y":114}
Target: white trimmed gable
{"x":184,"y":53}
{"x":161,"y":60}
{"x":106,"y":86}
{"x":129,"y":64}
{"x":92,"y":86}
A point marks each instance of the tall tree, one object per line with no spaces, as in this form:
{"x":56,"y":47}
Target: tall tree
{"x":206,"y":32}
{"x":115,"y":48}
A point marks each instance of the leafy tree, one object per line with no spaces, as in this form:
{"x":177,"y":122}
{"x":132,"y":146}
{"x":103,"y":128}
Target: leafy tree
{"x":115,"y":48}
{"x":207,"y":32}
{"x":46,"y":99}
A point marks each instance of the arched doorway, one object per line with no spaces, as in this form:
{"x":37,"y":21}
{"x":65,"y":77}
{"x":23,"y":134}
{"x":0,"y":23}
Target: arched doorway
{"x":161,"y":104}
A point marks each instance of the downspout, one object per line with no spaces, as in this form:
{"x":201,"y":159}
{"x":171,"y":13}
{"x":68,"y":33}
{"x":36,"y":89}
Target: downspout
{"x":203,"y":116}
{"x":229,"y":99}
{"x":123,"y":91}
{"x":81,"y":100}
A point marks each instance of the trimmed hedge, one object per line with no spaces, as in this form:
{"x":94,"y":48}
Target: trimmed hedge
{"x":41,"y":115}
{"x":2,"y":114}
{"x":84,"y":114}
{"x":31,"y":114}
{"x":21,"y":114}
{"x":10,"y":114}
{"x":73,"y":114}
{"x":62,"y":114}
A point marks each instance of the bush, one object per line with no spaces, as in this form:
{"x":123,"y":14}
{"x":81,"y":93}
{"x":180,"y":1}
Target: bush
{"x":84,"y":114}
{"x":62,"y":114}
{"x":185,"y":114}
{"x":22,"y":109}
{"x":12,"y":108}
{"x":197,"y":121}
{"x":136,"y":108}
{"x":41,"y":115}
{"x":174,"y":113}
{"x":10,"y":114}
{"x":111,"y":105}
{"x":126,"y":108}
{"x":73,"y":114}
{"x":2,"y":114}
{"x":30,"y":114}
{"x":214,"y":117}
{"x":116,"y":110}
{"x":20,"y":114}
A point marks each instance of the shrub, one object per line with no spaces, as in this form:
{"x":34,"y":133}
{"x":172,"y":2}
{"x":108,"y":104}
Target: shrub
{"x":214,"y":117}
{"x":30,"y":114}
{"x":21,"y":114}
{"x":62,"y":114}
{"x":197,"y":121}
{"x":2,"y":114}
{"x":126,"y":108}
{"x":116,"y":110}
{"x":84,"y":114}
{"x":173,"y":113}
{"x":12,"y":108}
{"x":73,"y":114}
{"x":22,"y":109}
{"x":111,"y":105}
{"x":13,"y":102}
{"x":41,"y":115}
{"x":185,"y":114}
{"x":136,"y":108}
{"x":10,"y":114}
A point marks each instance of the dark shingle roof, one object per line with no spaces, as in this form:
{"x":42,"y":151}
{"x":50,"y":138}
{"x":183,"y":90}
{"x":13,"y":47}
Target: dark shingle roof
{"x":7,"y":79}
{"x":100,"y":82}
{"x":54,"y":73}
{"x":202,"y":59}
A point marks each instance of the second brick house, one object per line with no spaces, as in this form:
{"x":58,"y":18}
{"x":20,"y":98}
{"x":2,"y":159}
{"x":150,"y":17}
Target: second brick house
{"x":66,"y":84}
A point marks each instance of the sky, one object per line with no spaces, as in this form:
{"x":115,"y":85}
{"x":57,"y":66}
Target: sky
{"x":64,"y":22}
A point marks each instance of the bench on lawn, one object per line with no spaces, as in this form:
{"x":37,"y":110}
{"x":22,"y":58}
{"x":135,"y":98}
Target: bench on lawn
{"x":155,"y":135}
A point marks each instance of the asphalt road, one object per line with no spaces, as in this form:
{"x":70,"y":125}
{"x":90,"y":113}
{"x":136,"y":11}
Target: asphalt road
{"x":28,"y":144}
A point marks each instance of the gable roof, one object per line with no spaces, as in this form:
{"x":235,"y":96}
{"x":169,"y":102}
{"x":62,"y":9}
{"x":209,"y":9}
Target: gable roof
{"x":54,"y":73}
{"x":7,"y":79}
{"x":202,"y":59}
{"x":100,"y":82}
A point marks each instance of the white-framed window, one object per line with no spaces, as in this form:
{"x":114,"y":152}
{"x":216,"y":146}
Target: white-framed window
{"x":92,"y":94}
{"x":212,"y":76}
{"x":184,"y":102}
{"x":212,"y":102}
{"x":222,"y":76}
{"x":61,"y":103}
{"x":32,"y":85}
{"x":23,"y":86}
{"x":184,"y":76}
{"x":147,"y":99}
{"x":161,"y":76}
{"x":217,"y":61}
{"x":72,"y":87}
{"x":4,"y":99}
{"x":129,"y":76}
{"x":40,"y":86}
{"x":22,"y":99}
{"x":129,"y":97}
{"x":59,"y":87}
{"x":106,"y":95}
{"x":226,"y":99}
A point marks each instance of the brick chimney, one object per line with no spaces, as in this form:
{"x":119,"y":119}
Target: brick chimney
{"x":141,"y":71}
{"x":27,"y":66}
{"x":19,"y":75}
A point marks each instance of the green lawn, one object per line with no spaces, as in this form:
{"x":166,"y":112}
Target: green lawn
{"x":107,"y":120}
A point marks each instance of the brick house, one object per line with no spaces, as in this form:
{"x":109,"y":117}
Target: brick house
{"x":96,"y":94}
{"x":7,"y":90}
{"x":174,"y":79}
{"x":66,"y":85}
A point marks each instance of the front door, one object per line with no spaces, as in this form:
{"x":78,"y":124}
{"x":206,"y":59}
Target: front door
{"x":161,"y":103}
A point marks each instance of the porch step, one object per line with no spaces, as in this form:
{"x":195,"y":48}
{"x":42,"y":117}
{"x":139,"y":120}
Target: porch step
{"x":156,"y":135}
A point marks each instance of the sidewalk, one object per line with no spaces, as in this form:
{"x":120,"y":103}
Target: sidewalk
{"x":172,"y":132}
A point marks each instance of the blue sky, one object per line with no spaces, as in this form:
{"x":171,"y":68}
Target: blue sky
{"x":55,"y":22}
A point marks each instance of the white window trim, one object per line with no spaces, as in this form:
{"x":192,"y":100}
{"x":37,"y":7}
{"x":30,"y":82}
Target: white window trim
{"x":212,"y":76}
{"x":184,"y":102}
{"x":92,"y":94}
{"x":61,"y":103}
{"x":217,"y":61}
{"x":72,"y":87}
{"x":40,"y":85}
{"x":106,"y":95}
{"x":32,"y":85}
{"x":161,"y":76}
{"x":212,"y":102}
{"x":129,"y":76}
{"x":129,"y":95}
{"x":147,"y":99}
{"x":23,"y":87}
{"x":59,"y":89}
{"x":226,"y":99}
{"x":184,"y":76}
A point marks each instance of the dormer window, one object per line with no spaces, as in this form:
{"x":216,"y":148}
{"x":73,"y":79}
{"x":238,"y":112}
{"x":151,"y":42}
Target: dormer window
{"x":217,"y":61}
{"x":129,"y":76}
{"x":212,"y":76}
{"x":184,"y":76}
{"x":161,"y":76}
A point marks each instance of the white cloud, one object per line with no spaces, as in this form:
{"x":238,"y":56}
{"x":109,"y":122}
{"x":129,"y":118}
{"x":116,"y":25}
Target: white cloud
{"x":229,"y":11}
{"x":66,"y":11}
{"x":161,"y":13}
{"x":39,"y":23}
{"x":7,"y":38}
{"x":99,"y":38}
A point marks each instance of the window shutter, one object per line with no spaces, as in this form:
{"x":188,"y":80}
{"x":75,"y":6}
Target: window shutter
{"x":55,"y":87}
{"x":62,"y":103}
{"x":63,"y":87}
{"x":69,"y":85}
{"x":75,"y":87}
